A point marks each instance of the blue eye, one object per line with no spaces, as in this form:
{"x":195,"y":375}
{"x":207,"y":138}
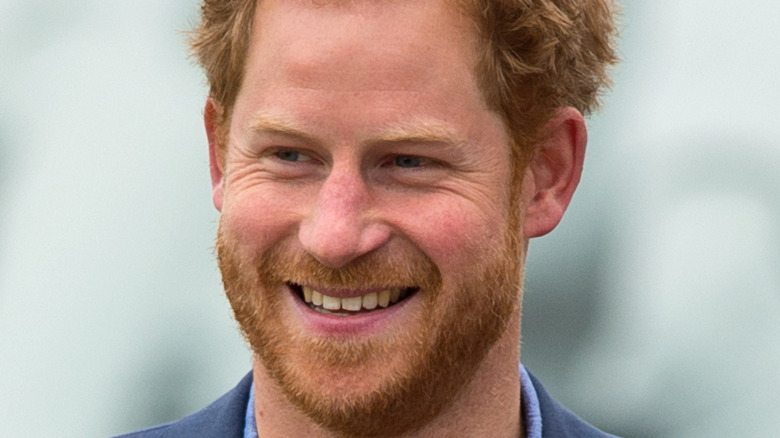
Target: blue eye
{"x":291,"y":155}
{"x":408,"y":161}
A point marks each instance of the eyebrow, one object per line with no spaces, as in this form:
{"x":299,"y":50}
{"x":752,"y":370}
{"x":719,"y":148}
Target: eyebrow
{"x":419,"y":132}
{"x":402,"y":132}
{"x":275,"y":125}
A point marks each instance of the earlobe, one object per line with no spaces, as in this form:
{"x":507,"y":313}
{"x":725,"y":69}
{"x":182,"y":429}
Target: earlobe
{"x":210,"y":120}
{"x":554,"y":171}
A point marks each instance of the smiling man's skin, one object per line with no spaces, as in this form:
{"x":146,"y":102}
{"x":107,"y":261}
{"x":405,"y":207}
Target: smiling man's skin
{"x":362,"y":169}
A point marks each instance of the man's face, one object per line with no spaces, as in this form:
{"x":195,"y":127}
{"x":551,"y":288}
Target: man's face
{"x":363,"y":171}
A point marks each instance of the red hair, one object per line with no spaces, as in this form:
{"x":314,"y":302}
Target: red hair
{"x":538,"y":55}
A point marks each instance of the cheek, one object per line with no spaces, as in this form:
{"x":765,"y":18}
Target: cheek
{"x":457,"y":238}
{"x":257,"y":221}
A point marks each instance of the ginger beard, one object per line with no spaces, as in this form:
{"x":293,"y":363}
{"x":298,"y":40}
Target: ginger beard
{"x":380,"y":386}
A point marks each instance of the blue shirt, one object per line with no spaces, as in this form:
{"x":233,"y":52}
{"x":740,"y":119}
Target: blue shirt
{"x":532,"y":416}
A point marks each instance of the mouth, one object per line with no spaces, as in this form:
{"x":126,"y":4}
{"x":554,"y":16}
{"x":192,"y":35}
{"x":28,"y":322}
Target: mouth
{"x":375,"y":300}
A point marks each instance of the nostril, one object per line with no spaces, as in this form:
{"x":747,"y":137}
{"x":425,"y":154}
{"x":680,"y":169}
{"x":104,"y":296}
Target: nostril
{"x":334,"y":242}
{"x":335,"y":232}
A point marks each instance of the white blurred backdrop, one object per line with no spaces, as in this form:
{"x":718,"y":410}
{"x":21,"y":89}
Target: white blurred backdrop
{"x":653,"y":311}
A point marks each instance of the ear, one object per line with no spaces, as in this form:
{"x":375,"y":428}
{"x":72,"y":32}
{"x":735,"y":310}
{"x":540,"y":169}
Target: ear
{"x":210,"y":120}
{"x":554,"y":171}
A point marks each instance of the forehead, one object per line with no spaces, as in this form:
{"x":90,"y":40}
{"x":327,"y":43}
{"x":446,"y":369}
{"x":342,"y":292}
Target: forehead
{"x":350,"y":45}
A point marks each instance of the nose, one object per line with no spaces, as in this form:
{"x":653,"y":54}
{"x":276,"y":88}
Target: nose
{"x":343,"y":224}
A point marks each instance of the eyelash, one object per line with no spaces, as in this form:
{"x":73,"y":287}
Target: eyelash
{"x":408,"y":161}
{"x":403,"y":162}
{"x":417,"y":162}
{"x":283,"y":154}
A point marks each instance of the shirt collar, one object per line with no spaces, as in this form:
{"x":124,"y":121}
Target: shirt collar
{"x":532,"y":414}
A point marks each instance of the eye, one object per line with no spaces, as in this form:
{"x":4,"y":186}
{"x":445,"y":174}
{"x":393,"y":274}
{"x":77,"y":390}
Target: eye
{"x":408,"y":161}
{"x":291,"y":155}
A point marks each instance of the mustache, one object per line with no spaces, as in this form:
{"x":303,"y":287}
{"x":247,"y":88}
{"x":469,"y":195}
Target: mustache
{"x":382,"y":268}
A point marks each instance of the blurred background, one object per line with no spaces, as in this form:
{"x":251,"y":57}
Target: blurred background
{"x":652,"y":311}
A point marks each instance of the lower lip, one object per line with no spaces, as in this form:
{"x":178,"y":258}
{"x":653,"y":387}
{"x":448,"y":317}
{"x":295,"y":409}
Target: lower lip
{"x":362,"y":324}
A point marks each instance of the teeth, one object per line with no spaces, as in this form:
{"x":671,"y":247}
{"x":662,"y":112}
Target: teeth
{"x":353,"y":304}
{"x":368,"y":301}
{"x":383,"y":298}
{"x":331,"y":303}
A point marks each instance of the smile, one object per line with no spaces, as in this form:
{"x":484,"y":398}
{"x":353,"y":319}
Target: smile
{"x":345,"y":306}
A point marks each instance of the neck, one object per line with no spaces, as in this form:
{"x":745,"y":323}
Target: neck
{"x":488,"y":406}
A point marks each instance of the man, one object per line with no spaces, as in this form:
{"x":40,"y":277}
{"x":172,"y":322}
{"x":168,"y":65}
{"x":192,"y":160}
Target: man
{"x":380,"y":166}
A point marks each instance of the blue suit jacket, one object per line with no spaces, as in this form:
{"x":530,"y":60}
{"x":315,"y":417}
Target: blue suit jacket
{"x":225,"y":419}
